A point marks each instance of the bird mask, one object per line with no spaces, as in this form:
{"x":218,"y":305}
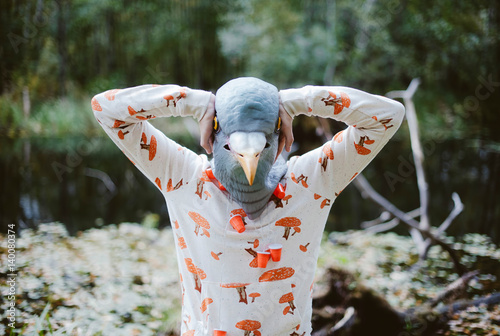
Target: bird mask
{"x":246,"y":128}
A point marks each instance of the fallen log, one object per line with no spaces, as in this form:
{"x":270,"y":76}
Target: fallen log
{"x":347,"y":308}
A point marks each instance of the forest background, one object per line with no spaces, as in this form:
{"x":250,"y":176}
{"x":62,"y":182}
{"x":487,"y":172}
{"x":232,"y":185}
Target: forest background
{"x":57,"y":165}
{"x":58,"y":54}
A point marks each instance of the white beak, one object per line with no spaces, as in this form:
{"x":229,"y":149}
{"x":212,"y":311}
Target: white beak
{"x":246,"y":147}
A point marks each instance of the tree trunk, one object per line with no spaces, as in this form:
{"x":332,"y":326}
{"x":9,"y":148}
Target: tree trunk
{"x":61,"y":44}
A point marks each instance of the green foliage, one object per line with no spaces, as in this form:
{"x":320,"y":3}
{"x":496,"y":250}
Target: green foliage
{"x":60,"y":48}
{"x":11,"y":115}
{"x":62,"y":117}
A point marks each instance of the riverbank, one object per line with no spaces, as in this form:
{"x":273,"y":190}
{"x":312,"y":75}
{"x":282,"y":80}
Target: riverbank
{"x":123,"y":279}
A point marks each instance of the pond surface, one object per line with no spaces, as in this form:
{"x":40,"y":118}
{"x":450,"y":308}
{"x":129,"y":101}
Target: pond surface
{"x":88,"y":182}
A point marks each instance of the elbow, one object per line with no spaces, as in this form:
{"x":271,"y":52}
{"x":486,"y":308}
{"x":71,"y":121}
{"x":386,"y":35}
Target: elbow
{"x":96,"y":106}
{"x":398,"y":112}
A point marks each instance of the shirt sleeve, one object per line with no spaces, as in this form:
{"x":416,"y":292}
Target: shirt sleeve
{"x":372,"y":120}
{"x":124,"y":115}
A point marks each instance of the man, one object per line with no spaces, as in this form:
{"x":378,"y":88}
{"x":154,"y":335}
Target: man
{"x":228,"y":214}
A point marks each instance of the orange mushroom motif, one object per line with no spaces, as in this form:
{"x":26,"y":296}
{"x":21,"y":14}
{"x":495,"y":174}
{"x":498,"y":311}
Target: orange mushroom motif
{"x":288,"y":298}
{"x":277,"y":274}
{"x":303,"y":248}
{"x":122,"y":134}
{"x":288,"y":223}
{"x":158,"y":182}
{"x":279,"y":201}
{"x":296,"y":334}
{"x":248,"y":326}
{"x":326,"y":202}
{"x":328,"y":151}
{"x":175,"y":100}
{"x":254,"y":262}
{"x":110,"y":94}
{"x":200,"y":221}
{"x":385,"y":122}
{"x":287,"y":198}
{"x":338,"y":101}
{"x":205,"y":303}
{"x":302,"y":179}
{"x":199,"y":187}
{"x":95,"y":105}
{"x":198,"y":273}
{"x":255,"y":243}
{"x":240,"y":288}
{"x":215,"y":255}
{"x":151,"y":147}
{"x":146,"y":117}
{"x":131,"y":110}
{"x":118,"y":123}
{"x":360,"y":146}
{"x":181,"y":242}
{"x":339,"y":137}
{"x":328,"y":155}
{"x":170,"y":186}
{"x":189,"y":333}
{"x":254,"y":296}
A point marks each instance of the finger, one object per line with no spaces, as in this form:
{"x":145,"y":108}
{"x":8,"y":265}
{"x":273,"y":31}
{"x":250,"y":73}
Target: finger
{"x":288,"y":140}
{"x":205,"y":146}
{"x":207,"y":143}
{"x":286,"y":129}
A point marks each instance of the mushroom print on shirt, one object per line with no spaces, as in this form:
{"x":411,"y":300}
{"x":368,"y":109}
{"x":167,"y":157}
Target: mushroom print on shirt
{"x":222,"y":285}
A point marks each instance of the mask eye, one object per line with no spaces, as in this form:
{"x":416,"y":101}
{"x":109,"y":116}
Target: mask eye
{"x":278,"y":125}
{"x":216,"y":125}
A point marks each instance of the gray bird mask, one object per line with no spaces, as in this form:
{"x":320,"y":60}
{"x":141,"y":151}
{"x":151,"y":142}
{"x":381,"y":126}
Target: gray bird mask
{"x":246,"y":142}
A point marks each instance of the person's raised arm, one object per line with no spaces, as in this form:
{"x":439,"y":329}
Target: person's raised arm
{"x":372,"y":120}
{"x":124,"y":115}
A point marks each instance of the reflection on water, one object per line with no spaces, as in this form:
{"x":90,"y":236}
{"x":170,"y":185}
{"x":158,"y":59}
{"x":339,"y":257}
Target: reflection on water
{"x":80,"y":182}
{"x":84,"y":182}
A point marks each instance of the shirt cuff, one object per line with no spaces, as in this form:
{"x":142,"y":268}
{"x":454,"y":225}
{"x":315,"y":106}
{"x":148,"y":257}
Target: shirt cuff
{"x":196,"y":103}
{"x":294,"y":102}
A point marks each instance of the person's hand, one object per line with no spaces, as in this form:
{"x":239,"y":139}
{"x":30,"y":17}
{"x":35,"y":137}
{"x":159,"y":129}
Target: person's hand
{"x":286,"y":132}
{"x":207,"y":127}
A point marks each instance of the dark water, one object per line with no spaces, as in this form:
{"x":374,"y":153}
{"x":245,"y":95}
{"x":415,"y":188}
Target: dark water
{"x":87,"y":182}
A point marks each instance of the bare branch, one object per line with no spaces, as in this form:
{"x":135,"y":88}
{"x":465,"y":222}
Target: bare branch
{"x":368,"y":192}
{"x":347,"y":320}
{"x":418,"y":155}
{"x":454,"y":290}
{"x":405,"y":94}
{"x":381,"y":227}
{"x":457,"y":209}
{"x":384,"y":217}
{"x":461,"y":305}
